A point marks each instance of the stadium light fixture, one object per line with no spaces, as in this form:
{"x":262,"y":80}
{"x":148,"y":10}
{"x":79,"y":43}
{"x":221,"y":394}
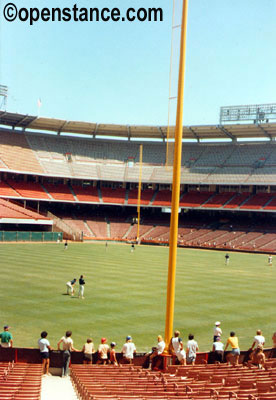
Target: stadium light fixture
{"x":3,"y":96}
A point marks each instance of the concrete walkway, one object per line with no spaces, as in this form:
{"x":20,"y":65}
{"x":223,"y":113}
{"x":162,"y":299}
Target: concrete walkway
{"x":55,"y":388}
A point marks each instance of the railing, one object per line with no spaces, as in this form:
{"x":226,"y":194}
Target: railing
{"x":68,"y":233}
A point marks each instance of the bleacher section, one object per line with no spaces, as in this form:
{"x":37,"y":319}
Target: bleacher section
{"x":227,"y":177}
{"x":59,"y":191}
{"x":29,"y":190}
{"x":16,"y":154}
{"x":257,"y":201}
{"x":97,"y":159}
{"x":7,"y":191}
{"x":163,"y":198}
{"x":239,"y":199}
{"x":199,"y":382}
{"x":98,"y":226}
{"x":118,"y":229}
{"x":191,"y":233}
{"x":11,"y":210}
{"x":272,"y":204}
{"x":20,"y":381}
{"x":86,"y":194}
{"x":219,"y":200}
{"x":194,"y":199}
{"x":146,"y":196}
{"x":115,"y":196}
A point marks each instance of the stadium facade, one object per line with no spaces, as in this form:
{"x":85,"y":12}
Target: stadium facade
{"x":84,"y":176}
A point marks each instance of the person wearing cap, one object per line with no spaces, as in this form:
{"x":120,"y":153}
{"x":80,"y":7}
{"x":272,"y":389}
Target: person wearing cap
{"x":67,"y":343}
{"x":218,"y":347}
{"x":258,"y":339}
{"x":112,"y":354}
{"x":176,"y":348}
{"x":217,"y":331}
{"x":128,"y":350}
{"x":88,"y":351}
{"x":102,"y":352}
{"x":70,"y":286}
{"x":6,"y":337}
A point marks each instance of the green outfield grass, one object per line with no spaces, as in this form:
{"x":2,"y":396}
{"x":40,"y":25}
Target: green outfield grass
{"x":125,"y":293}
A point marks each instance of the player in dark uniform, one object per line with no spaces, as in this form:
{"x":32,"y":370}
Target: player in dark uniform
{"x":227,"y":259}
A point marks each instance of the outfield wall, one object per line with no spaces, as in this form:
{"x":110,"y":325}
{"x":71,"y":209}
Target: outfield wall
{"x":18,"y":236}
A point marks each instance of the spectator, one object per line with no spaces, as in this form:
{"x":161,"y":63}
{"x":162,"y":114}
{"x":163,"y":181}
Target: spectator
{"x":192,"y":348}
{"x":233,"y":357}
{"x":177,"y":348}
{"x":257,"y":357}
{"x":44,"y":347}
{"x":128,"y":350}
{"x":258,"y":340}
{"x":112,"y":354}
{"x":81,"y":286}
{"x":218,"y":349}
{"x":6,"y":337}
{"x":88,"y":351}
{"x":102,"y":352}
{"x":70,"y":286}
{"x":67,"y":343}
{"x":274,"y":340}
{"x":156,"y":351}
{"x":217,"y":331}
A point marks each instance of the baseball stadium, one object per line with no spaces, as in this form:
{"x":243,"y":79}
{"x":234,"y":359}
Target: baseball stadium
{"x":108,"y":235}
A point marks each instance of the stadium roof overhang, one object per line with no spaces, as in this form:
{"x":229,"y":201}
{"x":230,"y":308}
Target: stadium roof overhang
{"x":198,"y":132}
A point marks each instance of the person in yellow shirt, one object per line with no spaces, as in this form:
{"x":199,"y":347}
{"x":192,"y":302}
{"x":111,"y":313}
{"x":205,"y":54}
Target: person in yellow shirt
{"x":233,"y":341}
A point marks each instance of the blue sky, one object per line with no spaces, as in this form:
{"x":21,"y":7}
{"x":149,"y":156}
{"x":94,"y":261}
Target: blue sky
{"x":119,"y":72}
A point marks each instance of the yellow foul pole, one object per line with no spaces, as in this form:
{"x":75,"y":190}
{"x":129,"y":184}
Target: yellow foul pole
{"x":176,"y":181}
{"x":139,"y":191}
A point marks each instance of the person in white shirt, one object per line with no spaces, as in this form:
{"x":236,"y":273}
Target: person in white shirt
{"x":218,"y":349}
{"x":177,"y":348}
{"x":103,"y":349}
{"x":158,"y":350}
{"x":44,"y":347}
{"x":128,"y":350}
{"x":67,"y":344}
{"x":192,"y":348}
{"x":217,"y":331}
{"x":88,"y":351}
{"x":258,"y":340}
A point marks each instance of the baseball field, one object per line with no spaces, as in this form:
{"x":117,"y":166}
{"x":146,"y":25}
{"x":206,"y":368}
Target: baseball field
{"x":125,"y":294}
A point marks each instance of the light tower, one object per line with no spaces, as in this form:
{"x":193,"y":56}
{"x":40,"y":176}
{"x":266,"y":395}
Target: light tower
{"x":3,"y":97}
